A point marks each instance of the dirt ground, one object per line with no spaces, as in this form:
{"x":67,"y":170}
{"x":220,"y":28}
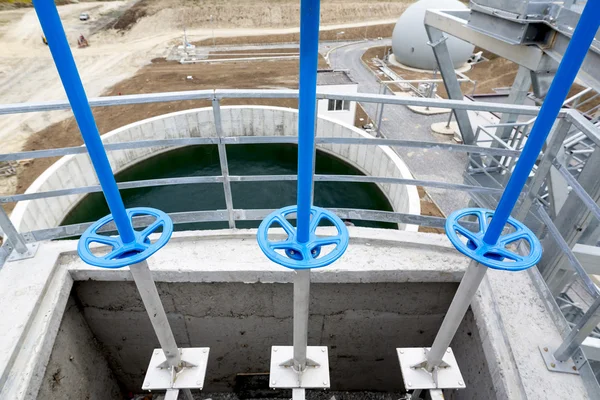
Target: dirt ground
{"x":251,"y":13}
{"x":126,"y":35}
{"x":27,"y":73}
{"x":163,"y":76}
{"x":429,"y":208}
{"x":495,"y":73}
{"x":356,"y":33}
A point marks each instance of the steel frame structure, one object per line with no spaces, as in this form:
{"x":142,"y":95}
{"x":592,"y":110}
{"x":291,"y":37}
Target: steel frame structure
{"x":529,"y":202}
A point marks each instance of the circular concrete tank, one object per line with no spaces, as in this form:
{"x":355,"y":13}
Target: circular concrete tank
{"x":409,"y":40}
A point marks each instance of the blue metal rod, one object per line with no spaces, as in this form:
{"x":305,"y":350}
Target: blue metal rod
{"x":65,"y":64}
{"x":565,"y":76}
{"x":307,"y":104}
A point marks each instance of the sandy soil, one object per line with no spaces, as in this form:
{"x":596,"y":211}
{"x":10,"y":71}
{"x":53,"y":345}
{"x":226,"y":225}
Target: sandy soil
{"x":110,"y":65}
{"x":489,"y":75}
{"x":162,"y":76}
{"x":254,"y":13}
{"x":368,"y":30}
{"x":495,"y":73}
{"x":28,"y":75}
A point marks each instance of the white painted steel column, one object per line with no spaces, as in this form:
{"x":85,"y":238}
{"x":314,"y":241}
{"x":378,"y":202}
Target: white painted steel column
{"x":154,"y":307}
{"x":458,"y":308}
{"x":301,"y":303}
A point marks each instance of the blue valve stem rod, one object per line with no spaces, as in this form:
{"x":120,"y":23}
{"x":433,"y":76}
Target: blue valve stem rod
{"x":567,"y":71}
{"x":586,"y":29}
{"x":67,"y":70}
{"x":307,"y":106}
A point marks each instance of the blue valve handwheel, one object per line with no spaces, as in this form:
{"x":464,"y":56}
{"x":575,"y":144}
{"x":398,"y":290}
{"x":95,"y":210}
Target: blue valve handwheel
{"x":302,"y":255}
{"x":497,"y":256}
{"x":124,"y":254}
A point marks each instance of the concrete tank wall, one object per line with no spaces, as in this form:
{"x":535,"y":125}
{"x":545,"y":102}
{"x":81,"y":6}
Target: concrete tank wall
{"x":361,"y":323}
{"x":76,"y":170}
{"x":77,"y":368}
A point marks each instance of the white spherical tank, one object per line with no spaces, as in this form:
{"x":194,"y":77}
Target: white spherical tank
{"x":409,"y":40}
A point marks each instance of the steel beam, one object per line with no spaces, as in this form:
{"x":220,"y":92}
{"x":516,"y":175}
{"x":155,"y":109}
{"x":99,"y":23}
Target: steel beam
{"x":518,"y":94}
{"x":456,"y":24}
{"x":437,"y":41}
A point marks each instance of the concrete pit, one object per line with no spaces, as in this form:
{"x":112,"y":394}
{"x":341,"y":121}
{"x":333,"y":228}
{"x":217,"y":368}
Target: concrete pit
{"x":71,"y":331}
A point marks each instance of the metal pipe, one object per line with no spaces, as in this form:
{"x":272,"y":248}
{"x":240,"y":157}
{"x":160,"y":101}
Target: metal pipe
{"x":458,"y":308}
{"x":145,"y":284}
{"x":307,"y":110}
{"x":567,"y":72}
{"x":67,"y":70}
{"x":221,"y":94}
{"x":301,"y":303}
{"x":154,"y":307}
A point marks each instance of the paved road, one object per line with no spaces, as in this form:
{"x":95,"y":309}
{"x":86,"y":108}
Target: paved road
{"x":401,"y":123}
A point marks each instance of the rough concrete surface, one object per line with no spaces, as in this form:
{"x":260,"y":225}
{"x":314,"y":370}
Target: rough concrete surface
{"x":390,"y":289}
{"x":361,"y":323}
{"x":77,"y":369}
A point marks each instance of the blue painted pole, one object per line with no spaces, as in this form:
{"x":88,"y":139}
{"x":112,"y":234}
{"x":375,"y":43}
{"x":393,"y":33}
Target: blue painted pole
{"x":307,"y":105}
{"x":67,"y":70}
{"x":565,"y":76}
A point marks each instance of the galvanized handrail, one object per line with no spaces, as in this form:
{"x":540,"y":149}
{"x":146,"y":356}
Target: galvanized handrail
{"x":567,"y":119}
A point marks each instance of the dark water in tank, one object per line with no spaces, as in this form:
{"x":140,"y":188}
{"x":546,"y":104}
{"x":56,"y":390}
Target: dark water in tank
{"x":260,"y":159}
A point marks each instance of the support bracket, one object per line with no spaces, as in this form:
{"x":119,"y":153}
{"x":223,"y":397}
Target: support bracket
{"x":161,"y":376}
{"x":315,"y":376}
{"x":437,"y":42}
{"x":30,"y":253}
{"x":566,"y":367}
{"x":446,"y":376}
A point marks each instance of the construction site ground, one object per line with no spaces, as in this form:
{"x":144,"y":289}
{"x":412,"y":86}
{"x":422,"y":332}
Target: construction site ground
{"x":491,"y":74}
{"x":127,"y":62}
{"x":118,"y":51}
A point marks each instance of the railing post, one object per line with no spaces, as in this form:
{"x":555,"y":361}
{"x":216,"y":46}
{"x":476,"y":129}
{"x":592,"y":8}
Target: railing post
{"x":582,"y":330}
{"x":382,"y":88}
{"x":15,"y":239}
{"x":216,"y":105}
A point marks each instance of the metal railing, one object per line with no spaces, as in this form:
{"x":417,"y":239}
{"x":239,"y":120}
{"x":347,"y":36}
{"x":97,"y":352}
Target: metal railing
{"x":530,"y":203}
